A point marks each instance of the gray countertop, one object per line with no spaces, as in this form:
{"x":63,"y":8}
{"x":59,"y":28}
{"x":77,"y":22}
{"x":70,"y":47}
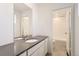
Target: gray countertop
{"x":20,"y":45}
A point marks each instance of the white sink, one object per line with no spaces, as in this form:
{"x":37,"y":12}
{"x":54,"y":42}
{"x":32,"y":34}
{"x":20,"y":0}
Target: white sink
{"x":18,"y":38}
{"x":31,"y":40}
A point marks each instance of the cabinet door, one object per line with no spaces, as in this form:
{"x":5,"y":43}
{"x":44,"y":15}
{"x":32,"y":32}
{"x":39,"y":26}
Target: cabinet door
{"x":23,"y":54}
{"x":36,"y":53}
{"x":35,"y":48}
{"x":39,"y":51}
{"x":45,"y":47}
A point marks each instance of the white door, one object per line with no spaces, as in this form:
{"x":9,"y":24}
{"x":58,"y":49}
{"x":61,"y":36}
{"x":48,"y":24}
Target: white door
{"x":59,"y":25}
{"x":68,"y":32}
{"x":62,"y":26}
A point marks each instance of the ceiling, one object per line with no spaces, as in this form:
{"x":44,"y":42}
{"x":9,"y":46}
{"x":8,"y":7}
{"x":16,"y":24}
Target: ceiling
{"x":59,"y":9}
{"x":21,"y":7}
{"x":55,"y":5}
{"x":61,"y":12}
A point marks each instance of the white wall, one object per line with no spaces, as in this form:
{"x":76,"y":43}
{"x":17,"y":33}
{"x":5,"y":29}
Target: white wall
{"x":34,"y":20}
{"x":6,"y":23}
{"x":42,"y":23}
{"x":76,"y":39}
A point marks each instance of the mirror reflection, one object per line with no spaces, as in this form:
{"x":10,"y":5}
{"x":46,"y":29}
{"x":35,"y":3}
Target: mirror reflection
{"x":22,"y":20}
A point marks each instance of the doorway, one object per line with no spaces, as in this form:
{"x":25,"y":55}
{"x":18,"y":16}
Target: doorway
{"x":62,"y":32}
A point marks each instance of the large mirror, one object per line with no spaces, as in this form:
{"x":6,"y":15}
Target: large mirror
{"x":22,"y":20}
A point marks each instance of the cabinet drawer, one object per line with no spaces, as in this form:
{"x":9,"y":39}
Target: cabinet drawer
{"x":33,"y":49}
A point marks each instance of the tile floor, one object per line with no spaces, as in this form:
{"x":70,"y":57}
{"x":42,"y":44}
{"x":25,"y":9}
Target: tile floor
{"x":59,"y":48}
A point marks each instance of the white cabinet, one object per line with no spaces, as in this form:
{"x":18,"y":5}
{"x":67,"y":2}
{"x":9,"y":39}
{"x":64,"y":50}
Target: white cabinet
{"x":23,"y":54}
{"x":45,"y":47}
{"x":35,"y":48}
{"x":41,"y":51}
{"x":38,"y":50}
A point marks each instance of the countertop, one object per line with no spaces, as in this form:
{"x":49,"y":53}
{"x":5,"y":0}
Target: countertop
{"x":21,"y":46}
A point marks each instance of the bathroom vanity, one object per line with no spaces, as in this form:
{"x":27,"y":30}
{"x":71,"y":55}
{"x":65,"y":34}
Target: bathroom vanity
{"x":37,"y":48}
{"x":34,"y":46}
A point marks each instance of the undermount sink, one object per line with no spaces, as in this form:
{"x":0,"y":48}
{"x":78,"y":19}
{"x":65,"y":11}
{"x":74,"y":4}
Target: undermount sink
{"x":19,"y":38}
{"x":31,"y":40}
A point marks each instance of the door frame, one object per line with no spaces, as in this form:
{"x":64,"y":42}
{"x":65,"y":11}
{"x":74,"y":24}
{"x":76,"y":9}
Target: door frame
{"x":72,"y":27}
